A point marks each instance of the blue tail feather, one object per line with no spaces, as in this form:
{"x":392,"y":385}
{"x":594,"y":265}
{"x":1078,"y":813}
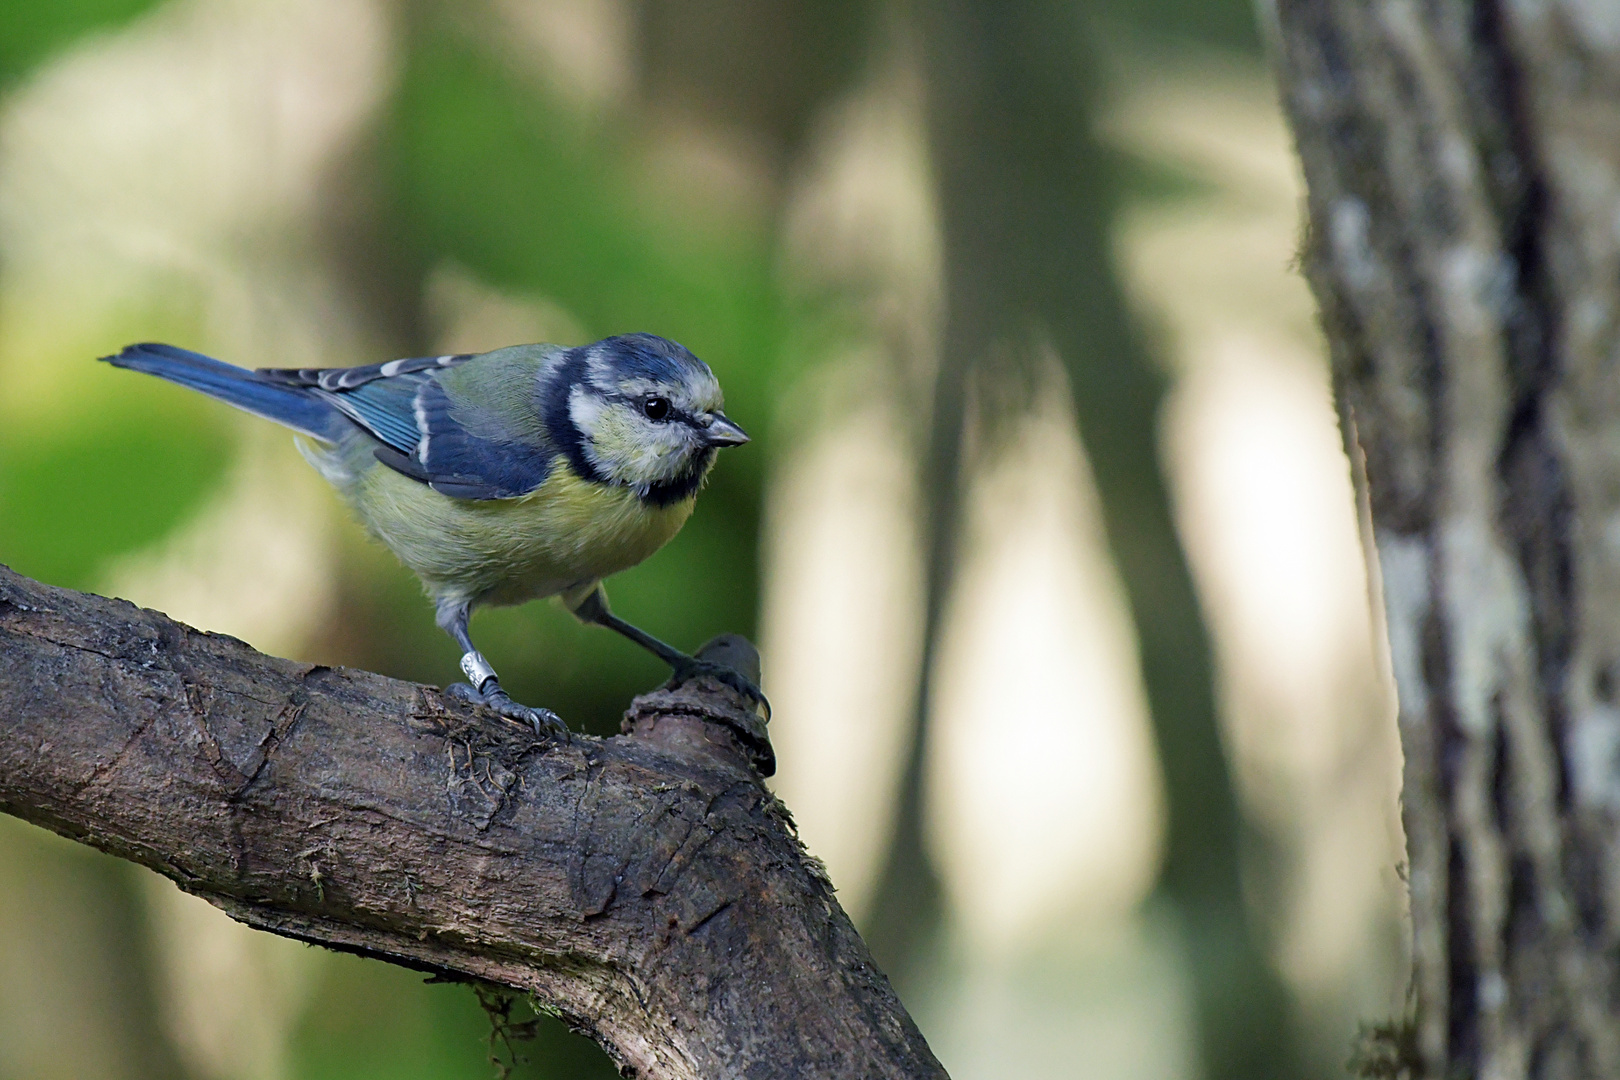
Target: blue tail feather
{"x":249,"y":391}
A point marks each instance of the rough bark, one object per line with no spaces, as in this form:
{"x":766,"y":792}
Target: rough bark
{"x":646,"y":887}
{"x":1463,"y":168}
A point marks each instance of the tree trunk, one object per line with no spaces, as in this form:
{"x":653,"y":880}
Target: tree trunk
{"x":1463,"y":167}
{"x":646,"y":887}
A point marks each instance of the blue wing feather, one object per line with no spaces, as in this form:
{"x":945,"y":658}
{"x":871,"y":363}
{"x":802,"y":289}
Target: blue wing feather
{"x":400,"y":403}
{"x":403,"y":405}
{"x":385,"y":407}
{"x":351,"y":377}
{"x":468,"y":466}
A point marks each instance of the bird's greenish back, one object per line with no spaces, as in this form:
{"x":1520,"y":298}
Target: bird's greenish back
{"x":503,"y":386}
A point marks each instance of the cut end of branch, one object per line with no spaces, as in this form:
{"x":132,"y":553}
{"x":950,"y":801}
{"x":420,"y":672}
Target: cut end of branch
{"x":707,"y":718}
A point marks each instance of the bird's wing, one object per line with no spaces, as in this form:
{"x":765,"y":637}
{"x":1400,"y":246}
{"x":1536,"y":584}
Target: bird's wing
{"x":348,"y":378}
{"x":403,"y":404}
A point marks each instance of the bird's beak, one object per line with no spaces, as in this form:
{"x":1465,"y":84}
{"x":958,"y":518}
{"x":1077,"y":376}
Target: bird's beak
{"x":722,"y":432}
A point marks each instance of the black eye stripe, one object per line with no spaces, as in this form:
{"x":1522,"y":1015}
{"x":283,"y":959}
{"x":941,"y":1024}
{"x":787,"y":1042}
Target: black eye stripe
{"x":638,"y":402}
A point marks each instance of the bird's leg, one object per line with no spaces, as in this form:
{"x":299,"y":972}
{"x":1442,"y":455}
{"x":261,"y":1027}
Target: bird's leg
{"x":594,"y":609}
{"x":483,"y":687}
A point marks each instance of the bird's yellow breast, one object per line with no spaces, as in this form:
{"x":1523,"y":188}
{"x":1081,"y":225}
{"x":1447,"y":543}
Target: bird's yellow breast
{"x":567,"y":532}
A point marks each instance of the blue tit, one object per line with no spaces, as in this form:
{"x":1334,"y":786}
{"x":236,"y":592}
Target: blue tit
{"x":502,"y":477}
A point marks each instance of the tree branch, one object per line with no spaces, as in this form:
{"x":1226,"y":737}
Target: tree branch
{"x":647,"y":887}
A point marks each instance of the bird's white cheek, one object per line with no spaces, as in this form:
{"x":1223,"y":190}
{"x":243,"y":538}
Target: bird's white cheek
{"x":661,"y":454}
{"x":628,"y":448}
{"x":614,"y":445}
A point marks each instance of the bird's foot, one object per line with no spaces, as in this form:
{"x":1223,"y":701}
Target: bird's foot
{"x":690,"y":667}
{"x":543,"y":721}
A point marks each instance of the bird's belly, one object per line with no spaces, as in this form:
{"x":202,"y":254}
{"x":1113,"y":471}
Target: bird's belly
{"x":506,"y":551}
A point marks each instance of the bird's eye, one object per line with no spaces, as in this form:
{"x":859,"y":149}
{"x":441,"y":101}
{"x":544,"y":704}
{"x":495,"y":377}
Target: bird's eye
{"x":655,"y":407}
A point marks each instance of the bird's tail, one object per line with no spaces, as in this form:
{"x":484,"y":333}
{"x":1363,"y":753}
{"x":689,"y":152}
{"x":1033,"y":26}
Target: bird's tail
{"x":293,"y":406}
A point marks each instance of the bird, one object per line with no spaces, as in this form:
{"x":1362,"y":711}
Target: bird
{"x":501,"y":477}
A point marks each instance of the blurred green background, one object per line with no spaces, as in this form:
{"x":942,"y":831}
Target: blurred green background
{"x":1045,"y":531}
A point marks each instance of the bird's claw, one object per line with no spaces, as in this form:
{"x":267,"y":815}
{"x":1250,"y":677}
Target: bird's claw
{"x":692,"y":668}
{"x":543,"y":721}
